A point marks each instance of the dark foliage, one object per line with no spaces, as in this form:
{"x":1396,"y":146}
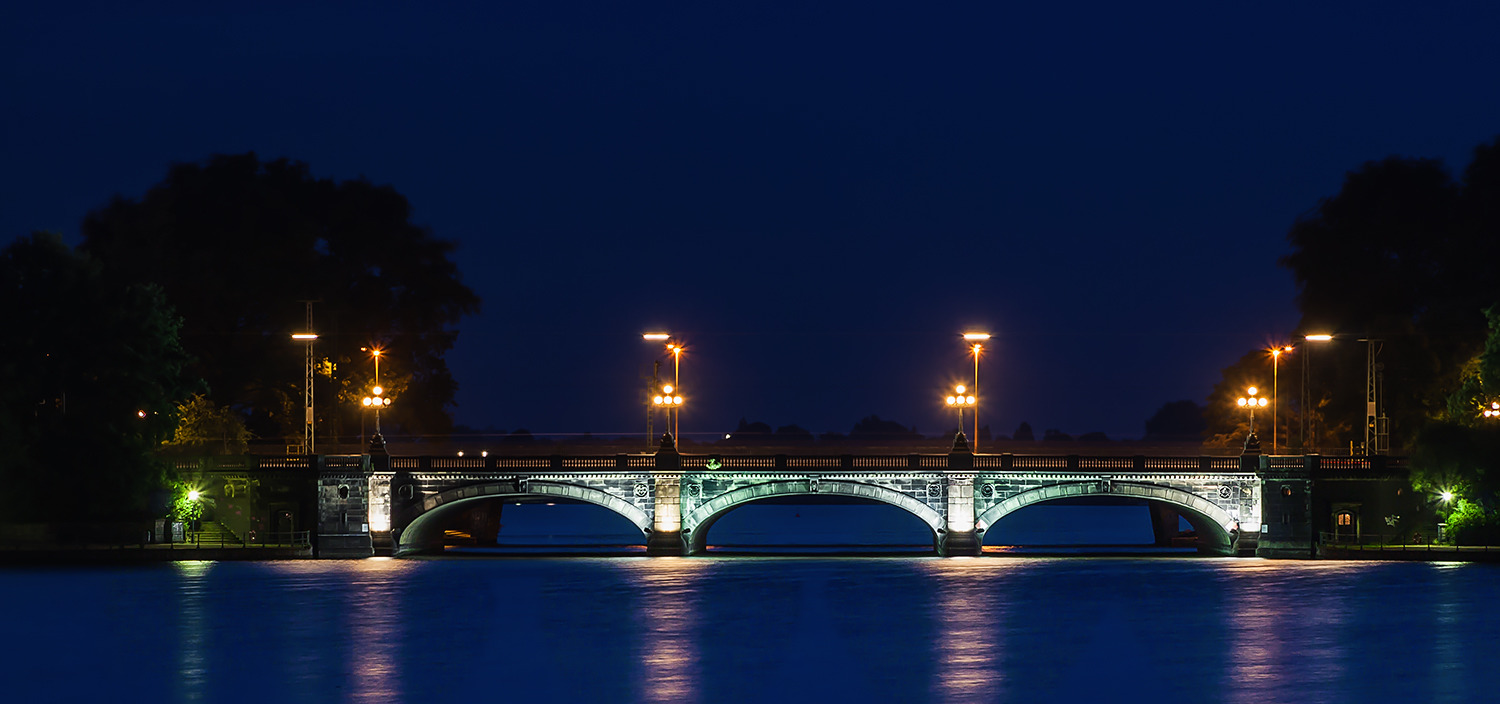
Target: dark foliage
{"x":237,"y":244}
{"x":1024,"y":433}
{"x":1176,"y":420}
{"x":91,"y":373}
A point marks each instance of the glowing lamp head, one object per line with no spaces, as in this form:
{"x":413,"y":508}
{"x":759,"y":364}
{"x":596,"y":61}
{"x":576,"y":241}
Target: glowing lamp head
{"x":1446,"y":496}
{"x":193,"y":495}
{"x":1318,"y":338}
{"x":976,"y":336}
{"x":1495,"y":405}
{"x":971,"y":400}
{"x":656,"y":336}
{"x":1252,"y":391}
{"x":952,"y":400}
{"x":367,"y":400}
{"x":1262,"y":402}
{"x":140,"y":414}
{"x":666,"y":389}
{"x":656,"y":400}
{"x":677,"y":400}
{"x":377,"y":391}
{"x":385,"y":401}
{"x":1242,"y":402}
{"x":960,"y":388}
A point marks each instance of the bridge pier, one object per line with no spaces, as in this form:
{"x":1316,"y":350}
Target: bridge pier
{"x":960,"y":544}
{"x":665,"y":538}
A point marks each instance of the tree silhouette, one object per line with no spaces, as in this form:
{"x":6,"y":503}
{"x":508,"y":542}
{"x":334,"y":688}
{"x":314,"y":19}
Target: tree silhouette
{"x":1024,"y":433}
{"x":91,"y":372}
{"x":1176,"y":420}
{"x":237,"y":244}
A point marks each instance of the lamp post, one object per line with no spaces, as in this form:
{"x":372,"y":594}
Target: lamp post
{"x":974,"y":339}
{"x":959,"y":400}
{"x":376,"y":400}
{"x":670,"y":399}
{"x":308,"y":339}
{"x":655,"y":382}
{"x":1276,"y":353}
{"x":1251,"y":401}
{"x":1307,"y":429}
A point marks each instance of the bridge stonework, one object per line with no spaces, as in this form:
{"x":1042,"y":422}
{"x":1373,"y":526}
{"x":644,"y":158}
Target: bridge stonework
{"x":413,"y":503}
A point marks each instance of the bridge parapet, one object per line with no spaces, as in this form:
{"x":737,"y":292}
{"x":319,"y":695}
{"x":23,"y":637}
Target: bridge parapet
{"x":674,"y":498}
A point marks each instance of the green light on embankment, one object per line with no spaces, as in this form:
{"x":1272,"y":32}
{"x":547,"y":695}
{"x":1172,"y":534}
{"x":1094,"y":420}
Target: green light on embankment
{"x":712,"y":464}
{"x":193,"y":495}
{"x":1446,"y":496}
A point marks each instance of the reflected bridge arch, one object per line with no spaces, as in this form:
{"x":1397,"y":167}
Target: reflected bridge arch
{"x":424,"y":533}
{"x":1217,"y":530}
{"x":700,"y":519}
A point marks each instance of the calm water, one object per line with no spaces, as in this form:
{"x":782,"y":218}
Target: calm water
{"x":737,"y":629}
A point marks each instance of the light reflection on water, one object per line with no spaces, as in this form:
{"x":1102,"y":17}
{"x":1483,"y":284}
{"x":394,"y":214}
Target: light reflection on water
{"x":755,"y":629}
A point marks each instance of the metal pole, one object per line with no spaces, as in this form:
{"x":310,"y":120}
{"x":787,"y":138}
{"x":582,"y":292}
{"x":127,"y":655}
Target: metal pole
{"x":308,"y":434}
{"x":974,"y":443}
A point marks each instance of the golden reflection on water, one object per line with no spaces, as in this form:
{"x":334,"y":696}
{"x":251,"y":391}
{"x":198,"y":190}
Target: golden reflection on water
{"x":970,"y":626}
{"x":375,"y":629}
{"x":1279,"y":630}
{"x":669,"y":648}
{"x":192,"y":629}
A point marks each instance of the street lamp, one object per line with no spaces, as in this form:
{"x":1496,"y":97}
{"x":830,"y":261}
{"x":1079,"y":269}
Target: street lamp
{"x":974,"y":339}
{"x":1251,"y":401}
{"x":307,"y":339}
{"x":669,"y":399}
{"x":959,"y":400}
{"x":376,"y":400}
{"x":1377,"y":425}
{"x":1276,"y":353}
{"x":1493,"y":412}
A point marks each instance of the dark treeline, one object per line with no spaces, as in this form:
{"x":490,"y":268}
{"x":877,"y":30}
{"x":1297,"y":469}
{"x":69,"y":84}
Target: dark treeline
{"x":170,"y":327}
{"x":1403,"y":262}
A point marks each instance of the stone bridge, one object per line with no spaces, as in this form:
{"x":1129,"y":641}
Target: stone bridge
{"x":674,"y":499}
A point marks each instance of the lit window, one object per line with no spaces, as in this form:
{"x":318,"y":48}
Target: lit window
{"x":1346,"y":519}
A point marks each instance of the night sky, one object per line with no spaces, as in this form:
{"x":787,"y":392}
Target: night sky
{"x":816,"y":197}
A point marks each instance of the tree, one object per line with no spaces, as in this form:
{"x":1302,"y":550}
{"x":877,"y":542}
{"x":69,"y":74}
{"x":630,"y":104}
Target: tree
{"x":1408,"y":255}
{"x":1176,"y":420}
{"x":873,"y":428}
{"x":205,"y":428}
{"x":238,"y":244}
{"x":1024,"y":433}
{"x":91,"y":372}
{"x":794,"y":434}
{"x":1055,"y":435}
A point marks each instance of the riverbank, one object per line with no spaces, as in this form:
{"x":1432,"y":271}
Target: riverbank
{"x":114,"y":555}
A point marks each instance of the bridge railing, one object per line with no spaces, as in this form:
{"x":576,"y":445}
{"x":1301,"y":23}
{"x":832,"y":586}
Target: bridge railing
{"x":783,"y":462}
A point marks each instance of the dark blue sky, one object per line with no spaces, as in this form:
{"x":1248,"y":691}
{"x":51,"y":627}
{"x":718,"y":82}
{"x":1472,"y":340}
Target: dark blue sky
{"x":817,"y":196}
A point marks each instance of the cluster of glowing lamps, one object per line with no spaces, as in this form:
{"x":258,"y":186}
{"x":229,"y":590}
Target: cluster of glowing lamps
{"x":376,"y":400}
{"x":1251,"y":401}
{"x":1493,"y":411}
{"x":960,"y":401}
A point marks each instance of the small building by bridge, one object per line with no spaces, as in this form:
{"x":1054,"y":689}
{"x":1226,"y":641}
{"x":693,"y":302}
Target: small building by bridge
{"x":1271,"y":506}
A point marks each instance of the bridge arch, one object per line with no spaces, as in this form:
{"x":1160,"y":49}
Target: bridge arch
{"x":696,"y":524}
{"x":1217,"y":530}
{"x":425,"y":531}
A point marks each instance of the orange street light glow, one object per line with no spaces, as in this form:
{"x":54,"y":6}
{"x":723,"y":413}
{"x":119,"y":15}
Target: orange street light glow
{"x":655,"y":336}
{"x":304,"y":336}
{"x":1318,"y":338}
{"x":973,"y":336}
